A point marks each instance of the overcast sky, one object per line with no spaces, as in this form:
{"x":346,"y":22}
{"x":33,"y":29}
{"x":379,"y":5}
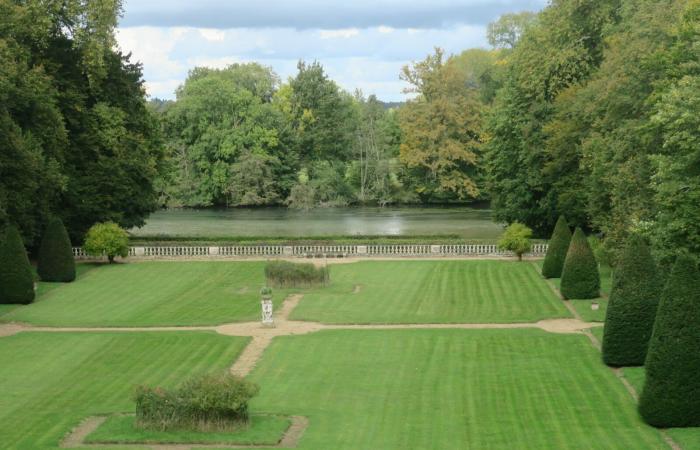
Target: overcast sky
{"x":361,"y":43}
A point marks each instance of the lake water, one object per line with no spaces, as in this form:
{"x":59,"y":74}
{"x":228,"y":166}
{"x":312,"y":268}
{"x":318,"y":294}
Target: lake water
{"x":471,"y":223}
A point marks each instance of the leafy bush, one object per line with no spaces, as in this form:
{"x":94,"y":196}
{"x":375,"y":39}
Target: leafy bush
{"x":580,"y":278}
{"x":671,"y":393}
{"x":516,"y":238}
{"x":632,"y":308}
{"x":556,"y":252}
{"x":289,"y":274}
{"x":107,"y":239}
{"x":56,"y":262}
{"x":16,"y":277}
{"x":214,"y":402}
{"x":600,"y":252}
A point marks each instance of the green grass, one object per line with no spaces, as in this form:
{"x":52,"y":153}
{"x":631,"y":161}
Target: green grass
{"x":449,"y":389}
{"x":50,"y":382}
{"x":263,"y":429}
{"x":431,"y":292}
{"x":153,"y":293}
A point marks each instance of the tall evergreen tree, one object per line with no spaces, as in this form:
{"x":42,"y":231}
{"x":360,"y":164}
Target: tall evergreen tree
{"x":556,"y":252}
{"x":671,"y":394}
{"x":56,"y":262}
{"x":632,"y":308}
{"x":16,"y":278}
{"x":580,"y":278}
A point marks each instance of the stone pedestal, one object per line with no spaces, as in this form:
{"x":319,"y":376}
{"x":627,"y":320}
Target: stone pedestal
{"x":266,"y":305}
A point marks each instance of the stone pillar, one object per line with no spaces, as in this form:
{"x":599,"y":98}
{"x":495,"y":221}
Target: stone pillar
{"x":288,"y":250}
{"x":139,"y":251}
{"x":361,"y":249}
{"x":435,"y":249}
{"x":266,"y":304}
{"x":213,"y":251}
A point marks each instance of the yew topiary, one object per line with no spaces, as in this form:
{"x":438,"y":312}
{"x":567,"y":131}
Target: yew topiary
{"x":556,"y":252}
{"x":579,"y":277}
{"x":671,"y":393}
{"x":632,"y":308}
{"x":16,"y":277}
{"x":56,"y":262}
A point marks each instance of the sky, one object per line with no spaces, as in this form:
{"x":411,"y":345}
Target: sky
{"x":362,"y":44}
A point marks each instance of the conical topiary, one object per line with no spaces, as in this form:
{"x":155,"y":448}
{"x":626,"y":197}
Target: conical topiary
{"x":580,"y":278}
{"x":16,"y":278}
{"x":671,"y":394}
{"x":632,"y":307}
{"x":56,"y":262}
{"x":556,"y":252}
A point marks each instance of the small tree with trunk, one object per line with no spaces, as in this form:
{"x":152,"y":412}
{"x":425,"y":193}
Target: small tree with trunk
{"x":580,"y":278}
{"x":556,"y":252}
{"x":107,"y":239}
{"x":671,"y":393}
{"x":16,"y":277}
{"x":516,"y":239}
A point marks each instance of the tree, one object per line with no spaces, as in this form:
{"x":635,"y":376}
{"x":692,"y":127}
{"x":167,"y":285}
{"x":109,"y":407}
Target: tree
{"x":506,"y":31}
{"x":580,"y":278}
{"x":441,"y":130}
{"x":557,"y":249}
{"x":107,"y":239}
{"x":632,"y":307}
{"x":516,"y":239}
{"x":16,"y":278}
{"x":56,"y":261}
{"x":670,"y":394}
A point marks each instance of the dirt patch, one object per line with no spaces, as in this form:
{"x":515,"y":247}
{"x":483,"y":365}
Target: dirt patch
{"x":8,"y":329}
{"x":242,"y":290}
{"x":357,"y":289}
{"x":77,"y":436}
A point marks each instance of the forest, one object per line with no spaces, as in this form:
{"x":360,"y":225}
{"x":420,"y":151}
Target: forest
{"x":587,"y":109}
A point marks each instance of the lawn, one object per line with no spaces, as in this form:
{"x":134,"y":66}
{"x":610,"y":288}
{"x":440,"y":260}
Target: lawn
{"x":449,"y":389}
{"x":151,"y":293}
{"x":50,"y":382}
{"x":473,"y":291}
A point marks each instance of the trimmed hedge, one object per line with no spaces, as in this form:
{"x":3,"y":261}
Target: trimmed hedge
{"x":556,"y":253}
{"x":580,"y":278}
{"x":56,"y":262}
{"x":214,"y":402}
{"x":16,"y":277}
{"x":671,"y":394}
{"x":632,"y":308}
{"x":289,"y":274}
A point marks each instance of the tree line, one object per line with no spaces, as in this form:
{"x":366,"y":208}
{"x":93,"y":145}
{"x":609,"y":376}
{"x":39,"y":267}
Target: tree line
{"x":584,"y":109}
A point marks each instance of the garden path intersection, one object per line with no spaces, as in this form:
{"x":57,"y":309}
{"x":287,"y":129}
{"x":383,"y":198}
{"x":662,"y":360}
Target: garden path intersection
{"x":262,"y":335}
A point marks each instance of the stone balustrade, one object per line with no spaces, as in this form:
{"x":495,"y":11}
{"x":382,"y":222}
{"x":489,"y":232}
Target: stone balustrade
{"x":307,"y":251}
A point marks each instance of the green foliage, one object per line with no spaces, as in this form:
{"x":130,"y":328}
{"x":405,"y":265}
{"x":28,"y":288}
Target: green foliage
{"x":516,"y":238}
{"x":289,"y":274}
{"x":16,"y":277}
{"x":556,"y":252}
{"x":507,"y":30}
{"x":266,"y":292}
{"x":670,"y":395}
{"x":56,"y":261}
{"x":212,"y":402}
{"x":602,"y":254}
{"x":632,"y":306}
{"x":580,"y":278}
{"x":107,"y":239}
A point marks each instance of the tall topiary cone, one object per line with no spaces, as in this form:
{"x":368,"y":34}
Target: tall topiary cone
{"x":16,"y":278}
{"x":56,"y":262}
{"x":671,"y":394}
{"x":580,"y":278}
{"x":556,"y":252}
{"x":632,"y":307}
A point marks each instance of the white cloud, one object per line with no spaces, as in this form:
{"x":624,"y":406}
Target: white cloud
{"x":341,"y":33}
{"x":211,"y":34}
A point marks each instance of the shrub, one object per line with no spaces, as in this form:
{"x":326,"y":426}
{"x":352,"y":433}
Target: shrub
{"x":16,"y":277}
{"x":556,"y":252}
{"x":289,"y":274}
{"x":671,"y":393}
{"x":56,"y":262}
{"x":632,"y":307}
{"x":580,"y":278}
{"x":516,"y":239}
{"x":107,"y":239}
{"x":213,"y":402}
{"x":600,"y":251}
